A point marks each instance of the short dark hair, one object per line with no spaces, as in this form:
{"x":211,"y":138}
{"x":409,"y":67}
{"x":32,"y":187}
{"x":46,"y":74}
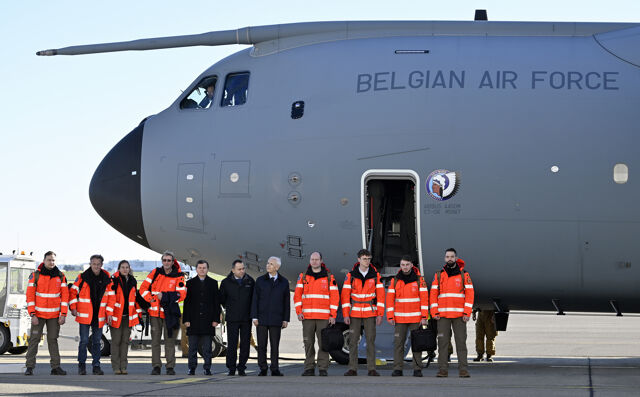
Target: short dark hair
{"x":202,"y":261}
{"x":363,"y":252}
{"x":407,"y":258}
{"x":123,"y":262}
{"x":233,"y":265}
{"x":97,"y":256}
{"x":49,"y":253}
{"x":451,"y":250}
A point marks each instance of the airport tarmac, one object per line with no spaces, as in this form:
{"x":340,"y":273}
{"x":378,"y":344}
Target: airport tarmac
{"x":540,"y":354}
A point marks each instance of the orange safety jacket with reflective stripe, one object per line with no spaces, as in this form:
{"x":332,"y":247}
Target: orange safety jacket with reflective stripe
{"x":316,"y":295}
{"x":162,"y":282}
{"x":362,"y":297}
{"x":408,"y":302}
{"x":81,"y":301}
{"x":50,"y":297}
{"x":117,"y":301}
{"x":452,"y":297}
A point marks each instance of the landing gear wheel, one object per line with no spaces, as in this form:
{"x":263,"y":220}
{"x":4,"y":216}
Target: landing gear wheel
{"x":105,"y":346}
{"x":5,"y":339}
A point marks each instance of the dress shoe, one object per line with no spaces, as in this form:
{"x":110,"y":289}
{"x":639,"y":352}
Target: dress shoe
{"x":232,"y":373}
{"x":464,"y":373}
{"x":170,"y":371}
{"x":263,"y":372}
{"x":58,"y":371}
{"x":192,"y":371}
{"x":417,"y":373}
{"x":207,"y":372}
{"x":82,"y":369}
{"x":276,"y":373}
{"x":309,"y":372}
{"x":29,"y":371}
{"x":241,"y":372}
{"x":442,"y":374}
{"x":396,"y":372}
{"x":351,"y":373}
{"x":373,"y":372}
{"x":479,"y":358}
{"x":155,"y":371}
{"x":323,"y":372}
{"x":97,"y":371}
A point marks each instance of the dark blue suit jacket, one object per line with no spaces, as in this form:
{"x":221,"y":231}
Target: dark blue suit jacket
{"x":270,"y":304}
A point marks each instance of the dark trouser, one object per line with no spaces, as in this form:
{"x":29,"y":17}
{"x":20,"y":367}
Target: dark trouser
{"x":354,"y":340}
{"x":444,"y":340}
{"x":311,"y":329}
{"x":159,"y":325}
{"x":204,"y":342}
{"x":399,"y":339}
{"x":120,"y":344}
{"x":243,"y":329}
{"x":273,"y":332}
{"x":53,"y":329}
{"x":96,"y":336}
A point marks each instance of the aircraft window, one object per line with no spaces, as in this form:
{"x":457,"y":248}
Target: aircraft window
{"x":235,"y":89}
{"x":620,"y":173}
{"x":202,"y":96}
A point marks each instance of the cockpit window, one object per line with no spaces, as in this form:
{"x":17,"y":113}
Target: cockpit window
{"x":202,"y":96}
{"x":235,"y":89}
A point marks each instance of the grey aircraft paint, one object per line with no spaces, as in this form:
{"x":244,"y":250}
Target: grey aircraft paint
{"x":498,"y":103}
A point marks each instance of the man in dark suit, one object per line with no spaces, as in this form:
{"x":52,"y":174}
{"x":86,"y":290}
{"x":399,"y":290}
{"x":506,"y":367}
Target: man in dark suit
{"x":270,"y":313}
{"x":201,"y":315}
{"x":236,"y":292}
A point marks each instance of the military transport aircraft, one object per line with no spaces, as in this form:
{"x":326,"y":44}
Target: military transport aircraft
{"x":514,"y":142}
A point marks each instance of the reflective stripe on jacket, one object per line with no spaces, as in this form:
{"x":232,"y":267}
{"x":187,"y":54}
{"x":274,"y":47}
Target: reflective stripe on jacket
{"x":316,"y":298}
{"x":408,"y":302}
{"x":172,"y":282}
{"x":81,"y":301}
{"x":453,"y":296}
{"x":117,"y":301}
{"x":50,"y":297}
{"x":362,"y":297}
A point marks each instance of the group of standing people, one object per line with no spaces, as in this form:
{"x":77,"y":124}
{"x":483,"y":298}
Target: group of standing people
{"x":96,"y":298}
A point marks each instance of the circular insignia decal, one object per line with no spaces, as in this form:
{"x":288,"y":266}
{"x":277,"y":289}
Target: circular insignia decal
{"x":443,"y":184}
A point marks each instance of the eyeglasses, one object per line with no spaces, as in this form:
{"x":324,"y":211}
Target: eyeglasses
{"x":167,"y":260}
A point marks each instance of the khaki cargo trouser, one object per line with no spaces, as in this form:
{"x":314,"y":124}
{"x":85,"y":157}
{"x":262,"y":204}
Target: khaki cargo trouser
{"x":158,"y":326}
{"x":399,"y":339}
{"x":486,"y":327}
{"x":53,"y":330}
{"x":354,"y":339}
{"x":120,"y":344}
{"x":444,"y":340}
{"x":311,"y":329}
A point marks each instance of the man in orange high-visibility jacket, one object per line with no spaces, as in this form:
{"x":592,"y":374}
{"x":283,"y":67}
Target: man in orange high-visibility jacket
{"x":451,"y":304}
{"x":165,"y":283}
{"x":362,"y":305}
{"x":316,"y":301}
{"x":407,"y":309}
{"x":90,"y":294}
{"x":47,"y":303}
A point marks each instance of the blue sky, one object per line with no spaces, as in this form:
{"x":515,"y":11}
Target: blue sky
{"x":61,"y":115}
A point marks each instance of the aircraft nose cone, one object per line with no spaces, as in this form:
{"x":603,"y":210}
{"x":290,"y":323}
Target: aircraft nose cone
{"x":115,"y":187}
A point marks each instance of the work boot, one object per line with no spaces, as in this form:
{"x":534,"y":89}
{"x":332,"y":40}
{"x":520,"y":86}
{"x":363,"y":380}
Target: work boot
{"x":170,"y":371}
{"x":155,"y":371}
{"x":351,"y":373}
{"x":323,"y":372}
{"x":241,"y":372}
{"x":417,"y":373}
{"x":309,"y":372}
{"x":97,"y":371}
{"x":489,"y":359}
{"x":29,"y":371}
{"x":373,"y":372}
{"x":464,"y":373}
{"x":82,"y":369}
{"x":396,"y":372}
{"x":479,"y":358}
{"x":58,"y":371}
{"x":442,"y":373}
{"x":123,"y":371}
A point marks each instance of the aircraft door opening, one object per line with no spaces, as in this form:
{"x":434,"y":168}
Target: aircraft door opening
{"x":390,"y":218}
